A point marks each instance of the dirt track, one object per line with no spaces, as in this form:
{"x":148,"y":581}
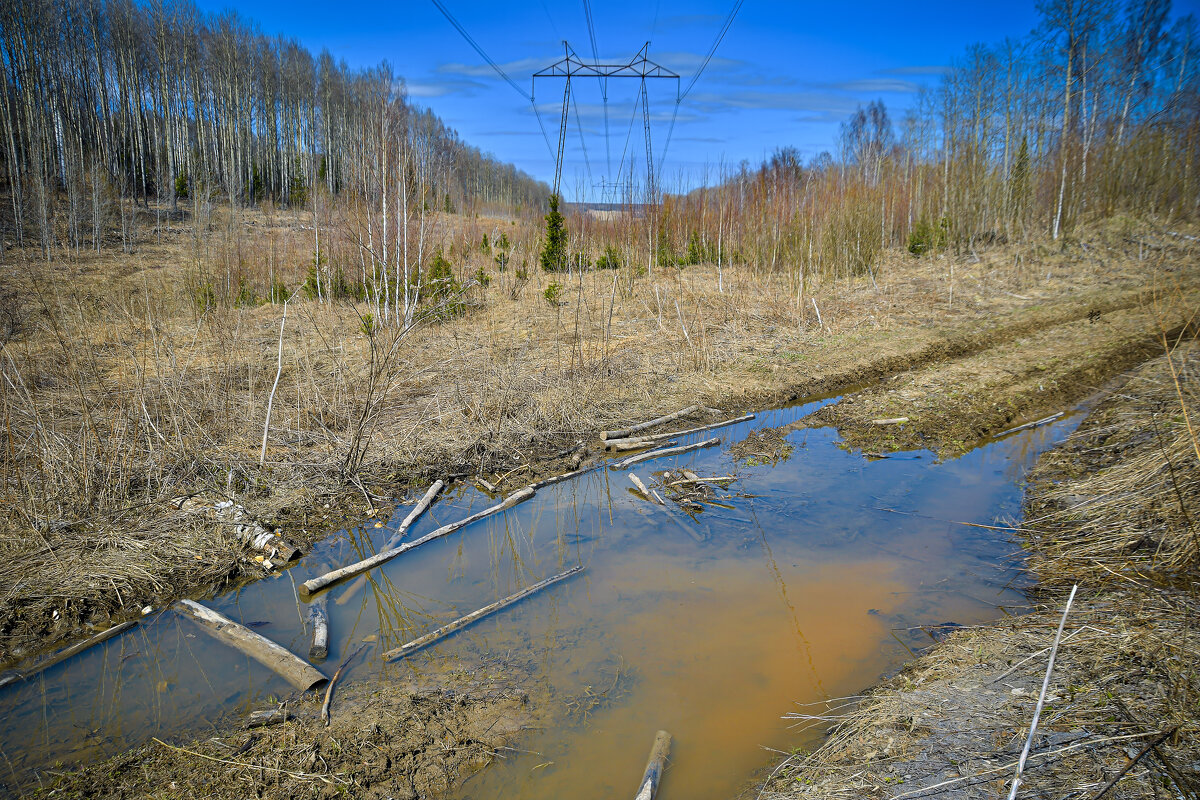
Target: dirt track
{"x":1036,"y":368}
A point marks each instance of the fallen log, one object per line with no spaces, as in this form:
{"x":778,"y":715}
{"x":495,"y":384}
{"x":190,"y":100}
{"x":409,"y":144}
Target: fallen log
{"x":314,"y":585}
{"x":270,"y":716}
{"x":394,"y":540}
{"x":67,"y":652}
{"x":617,"y":444}
{"x":1033,"y":424}
{"x":891,"y":421}
{"x":666,"y":451}
{"x":297,"y":671}
{"x":475,"y":616}
{"x":318,"y":615}
{"x":654,"y":766}
{"x":654,"y":423}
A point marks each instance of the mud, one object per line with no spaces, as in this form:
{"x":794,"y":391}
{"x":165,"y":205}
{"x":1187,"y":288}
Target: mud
{"x":405,"y":741}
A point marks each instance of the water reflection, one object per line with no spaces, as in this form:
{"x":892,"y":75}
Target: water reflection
{"x":817,"y":581}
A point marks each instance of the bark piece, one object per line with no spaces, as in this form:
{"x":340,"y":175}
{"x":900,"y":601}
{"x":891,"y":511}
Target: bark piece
{"x":269,"y":716}
{"x":318,"y":614}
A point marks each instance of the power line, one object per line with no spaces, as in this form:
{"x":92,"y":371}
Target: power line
{"x":587,"y":12}
{"x":711,"y":51}
{"x":579,"y":124}
{"x":716,"y":43}
{"x":450,"y":17}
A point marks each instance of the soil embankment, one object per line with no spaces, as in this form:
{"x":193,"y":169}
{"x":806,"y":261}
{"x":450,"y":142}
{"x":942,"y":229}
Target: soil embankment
{"x":1113,"y":510}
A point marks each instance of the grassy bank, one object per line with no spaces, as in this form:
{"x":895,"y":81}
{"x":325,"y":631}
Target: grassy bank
{"x":1114,"y":510}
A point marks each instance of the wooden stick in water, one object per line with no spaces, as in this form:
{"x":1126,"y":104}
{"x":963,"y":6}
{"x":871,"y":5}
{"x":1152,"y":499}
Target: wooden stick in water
{"x":1033,"y":424}
{"x":642,"y":488}
{"x":333,"y":682}
{"x":297,"y":671}
{"x":394,"y":540}
{"x":474,"y":616}
{"x":316,"y":584}
{"x":319,"y":616}
{"x":654,"y":766}
{"x":67,"y":652}
{"x":631,"y":444}
{"x":701,"y":429}
{"x":666,"y":451}
{"x":654,"y":423}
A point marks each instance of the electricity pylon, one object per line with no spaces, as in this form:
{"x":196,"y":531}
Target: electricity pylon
{"x":640,"y":67}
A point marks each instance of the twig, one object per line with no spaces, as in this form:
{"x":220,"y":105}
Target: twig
{"x":1037,"y":711}
{"x":333,"y":681}
{"x":1033,"y":424}
{"x":1134,"y":761}
{"x":1011,"y":764}
{"x":304,"y":776}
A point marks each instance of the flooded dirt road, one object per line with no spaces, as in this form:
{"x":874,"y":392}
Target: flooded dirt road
{"x":812,"y":574}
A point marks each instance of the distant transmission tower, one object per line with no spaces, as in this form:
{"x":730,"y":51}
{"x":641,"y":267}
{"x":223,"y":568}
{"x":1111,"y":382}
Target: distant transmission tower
{"x":640,"y":67}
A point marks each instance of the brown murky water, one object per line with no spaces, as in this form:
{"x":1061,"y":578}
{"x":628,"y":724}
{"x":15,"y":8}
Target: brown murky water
{"x":807,"y":589}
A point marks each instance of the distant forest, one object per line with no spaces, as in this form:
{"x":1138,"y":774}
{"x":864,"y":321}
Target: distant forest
{"x":109,"y":104}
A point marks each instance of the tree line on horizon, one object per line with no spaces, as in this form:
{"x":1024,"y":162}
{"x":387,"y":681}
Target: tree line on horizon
{"x":109,"y":105}
{"x":1095,"y":113}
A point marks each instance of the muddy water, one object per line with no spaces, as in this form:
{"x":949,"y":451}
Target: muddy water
{"x":815,"y":581}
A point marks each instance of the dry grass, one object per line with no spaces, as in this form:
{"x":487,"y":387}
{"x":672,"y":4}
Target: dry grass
{"x":120,"y":392}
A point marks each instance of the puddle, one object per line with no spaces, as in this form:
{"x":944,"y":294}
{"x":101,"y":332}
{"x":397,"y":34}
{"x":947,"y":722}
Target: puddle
{"x":814,"y":584}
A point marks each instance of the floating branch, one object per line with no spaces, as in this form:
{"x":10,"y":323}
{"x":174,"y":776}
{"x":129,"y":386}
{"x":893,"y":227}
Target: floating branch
{"x":316,"y":584}
{"x":333,"y":682}
{"x":642,"y":488}
{"x":654,"y":766}
{"x":297,"y":671}
{"x":618,"y":444}
{"x":475,"y":616}
{"x":666,"y":451}
{"x":654,"y":423}
{"x":631,"y":444}
{"x":394,"y":540}
{"x":566,"y":476}
{"x":67,"y":652}
{"x":319,"y":616}
{"x":1033,"y":424}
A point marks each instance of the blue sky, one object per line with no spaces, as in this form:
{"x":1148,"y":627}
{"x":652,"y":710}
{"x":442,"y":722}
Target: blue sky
{"x":787,"y":73}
